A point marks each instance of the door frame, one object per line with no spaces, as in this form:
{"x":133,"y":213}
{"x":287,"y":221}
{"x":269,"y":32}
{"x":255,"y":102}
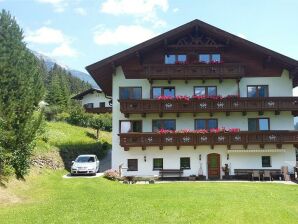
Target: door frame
{"x":219,"y":162}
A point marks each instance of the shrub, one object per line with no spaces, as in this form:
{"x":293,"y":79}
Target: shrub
{"x":50,"y":112}
{"x":112,"y":175}
{"x":62,"y":116}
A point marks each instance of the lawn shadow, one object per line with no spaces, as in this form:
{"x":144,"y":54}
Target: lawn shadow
{"x":91,"y":135}
{"x":69,"y":152}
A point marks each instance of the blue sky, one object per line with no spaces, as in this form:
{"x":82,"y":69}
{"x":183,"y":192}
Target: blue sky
{"x":80,"y":32}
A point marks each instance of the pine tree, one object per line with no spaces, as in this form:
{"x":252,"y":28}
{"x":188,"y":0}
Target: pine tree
{"x":21,"y":89}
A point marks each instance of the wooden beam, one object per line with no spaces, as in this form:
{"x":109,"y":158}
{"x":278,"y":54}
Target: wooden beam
{"x":279,"y":146}
{"x":143,"y":148}
{"x":178,"y":147}
{"x":160,"y":147}
{"x":126,"y":115}
{"x":211,"y":114}
{"x":212,"y":146}
{"x":143,"y":114}
{"x":244,"y":113}
{"x":277,"y":112}
{"x":245,"y":146}
{"x":139,"y":56}
{"x":228,"y":113}
{"x":261,"y":113}
{"x":194,"y":147}
{"x":262,"y":146}
{"x":177,"y":115}
{"x":126,"y":148}
{"x":194,"y":114}
{"x":160,"y":114}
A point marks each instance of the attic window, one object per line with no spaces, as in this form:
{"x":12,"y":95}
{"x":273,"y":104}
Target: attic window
{"x":175,"y":58}
{"x":209,"y":58}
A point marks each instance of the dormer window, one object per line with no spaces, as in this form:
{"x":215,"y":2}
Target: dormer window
{"x":209,"y":58}
{"x":175,"y":59}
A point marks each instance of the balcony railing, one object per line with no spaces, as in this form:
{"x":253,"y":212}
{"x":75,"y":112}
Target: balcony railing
{"x":244,"y":138}
{"x":146,"y":106}
{"x":99,"y":110}
{"x":194,"y":71}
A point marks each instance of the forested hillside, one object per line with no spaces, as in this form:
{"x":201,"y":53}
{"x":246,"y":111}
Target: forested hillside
{"x":60,"y":85}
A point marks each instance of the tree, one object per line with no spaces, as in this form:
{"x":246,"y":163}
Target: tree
{"x":21,"y":89}
{"x":96,"y":123}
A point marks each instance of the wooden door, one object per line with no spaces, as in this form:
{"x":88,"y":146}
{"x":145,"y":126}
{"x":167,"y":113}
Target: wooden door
{"x":213,"y":160}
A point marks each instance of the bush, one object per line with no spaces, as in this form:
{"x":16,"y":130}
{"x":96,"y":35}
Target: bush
{"x":112,"y":175}
{"x":50,"y":112}
{"x":62,"y":116}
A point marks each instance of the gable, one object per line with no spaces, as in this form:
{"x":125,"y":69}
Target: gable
{"x":191,"y":39}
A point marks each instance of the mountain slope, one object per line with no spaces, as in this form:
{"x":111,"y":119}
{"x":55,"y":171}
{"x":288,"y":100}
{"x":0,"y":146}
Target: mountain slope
{"x":50,"y":62}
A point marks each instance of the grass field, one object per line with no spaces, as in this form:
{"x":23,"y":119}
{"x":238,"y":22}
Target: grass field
{"x":59,"y":134}
{"x":48,"y":198}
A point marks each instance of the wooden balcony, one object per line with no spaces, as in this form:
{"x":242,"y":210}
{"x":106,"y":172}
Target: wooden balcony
{"x":99,"y":110}
{"x":227,"y":105}
{"x":194,"y":71}
{"x":244,"y":138}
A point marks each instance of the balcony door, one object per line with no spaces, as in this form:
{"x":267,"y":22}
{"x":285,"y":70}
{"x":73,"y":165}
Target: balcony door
{"x":213,"y":161}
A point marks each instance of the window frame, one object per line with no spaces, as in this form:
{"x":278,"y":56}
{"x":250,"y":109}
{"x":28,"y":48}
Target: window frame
{"x":153,"y":164}
{"x":270,"y":161}
{"x":102,"y":103}
{"x":131,"y":87}
{"x":176,"y":58}
{"x":206,"y":122}
{"x":209,"y":56}
{"x":120,"y":121}
{"x":257,"y":91}
{"x":206,"y":90}
{"x":185,"y":168}
{"x":258,"y":123}
{"x":86,"y":105}
{"x":136,"y":167}
{"x":163,"y":121}
{"x":162,"y":90}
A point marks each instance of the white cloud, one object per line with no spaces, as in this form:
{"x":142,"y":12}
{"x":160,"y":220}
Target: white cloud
{"x":132,"y":34}
{"x":47,"y":22}
{"x":49,"y":36}
{"x":241,"y":35}
{"x":45,"y":35}
{"x":175,"y":10}
{"x":80,"y":11}
{"x":142,"y":9}
{"x":59,"y":5}
{"x":64,"y":50}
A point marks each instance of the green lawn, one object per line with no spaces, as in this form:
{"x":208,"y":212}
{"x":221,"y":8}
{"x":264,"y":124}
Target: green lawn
{"x":60,"y":134}
{"x":48,"y":198}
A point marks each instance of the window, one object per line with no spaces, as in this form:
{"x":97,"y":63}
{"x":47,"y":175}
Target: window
{"x":157,"y":164}
{"x":132,"y":165}
{"x":258,"y":124}
{"x":266,"y":161}
{"x":205,"y":124}
{"x":184,"y":163}
{"x":88,"y":105}
{"x":130,"y":93}
{"x":163,"y":91}
{"x":207,"y":58}
{"x":102,"y":104}
{"x":163,"y":124}
{"x":173,"y":58}
{"x":257,"y":91}
{"x":205,"y":90}
{"x":130,"y":126}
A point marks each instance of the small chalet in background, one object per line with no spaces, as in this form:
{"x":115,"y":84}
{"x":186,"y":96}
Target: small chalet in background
{"x":94,"y":100}
{"x":200,"y":101}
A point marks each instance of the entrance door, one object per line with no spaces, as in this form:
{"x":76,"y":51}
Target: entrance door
{"x":213,"y":160}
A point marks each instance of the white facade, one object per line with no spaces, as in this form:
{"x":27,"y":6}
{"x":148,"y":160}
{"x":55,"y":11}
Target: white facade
{"x":251,"y":159}
{"x":95,"y":98}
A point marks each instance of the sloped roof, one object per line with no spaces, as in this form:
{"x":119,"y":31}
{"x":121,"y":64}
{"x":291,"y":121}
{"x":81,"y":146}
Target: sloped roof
{"x":82,"y":94}
{"x":102,"y":70}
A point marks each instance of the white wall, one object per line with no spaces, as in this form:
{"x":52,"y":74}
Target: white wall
{"x":95,"y":98}
{"x":278,"y":86}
